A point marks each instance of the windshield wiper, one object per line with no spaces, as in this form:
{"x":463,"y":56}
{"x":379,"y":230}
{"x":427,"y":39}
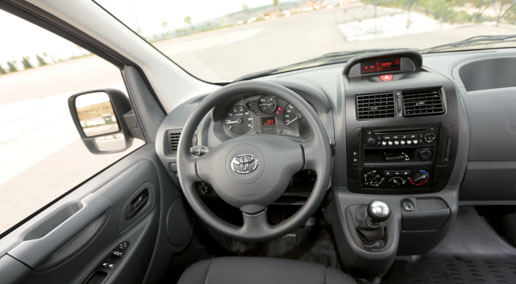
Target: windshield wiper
{"x":325,"y":59}
{"x":472,"y":41}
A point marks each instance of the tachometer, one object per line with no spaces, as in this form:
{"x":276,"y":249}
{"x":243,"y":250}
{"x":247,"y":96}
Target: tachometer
{"x":267,"y":104}
{"x":239,"y":120}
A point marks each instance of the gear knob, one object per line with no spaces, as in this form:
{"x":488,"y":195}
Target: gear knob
{"x":378,"y":211}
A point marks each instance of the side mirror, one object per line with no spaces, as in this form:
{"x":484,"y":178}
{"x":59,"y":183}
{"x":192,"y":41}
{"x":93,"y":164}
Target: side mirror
{"x":102,"y":117}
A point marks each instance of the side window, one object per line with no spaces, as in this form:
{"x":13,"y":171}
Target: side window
{"x":42,"y":155}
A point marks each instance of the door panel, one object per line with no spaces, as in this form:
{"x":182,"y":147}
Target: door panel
{"x":120,"y":209}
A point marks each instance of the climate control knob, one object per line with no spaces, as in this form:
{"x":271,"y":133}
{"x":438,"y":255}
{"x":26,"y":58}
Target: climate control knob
{"x":396,"y":182}
{"x":420,"y":178}
{"x":372,"y":178}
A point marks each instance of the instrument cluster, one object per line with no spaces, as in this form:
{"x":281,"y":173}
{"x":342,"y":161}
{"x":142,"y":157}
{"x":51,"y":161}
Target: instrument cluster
{"x":260,"y":114}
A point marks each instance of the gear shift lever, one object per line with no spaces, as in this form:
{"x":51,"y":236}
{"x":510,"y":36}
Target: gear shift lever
{"x":372,"y":228}
{"x":378,"y":212}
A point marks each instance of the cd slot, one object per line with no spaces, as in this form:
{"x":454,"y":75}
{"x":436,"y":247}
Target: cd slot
{"x":400,"y":131}
{"x":398,"y":155}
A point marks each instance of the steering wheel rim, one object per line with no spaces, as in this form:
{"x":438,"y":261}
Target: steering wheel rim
{"x":316,"y":155}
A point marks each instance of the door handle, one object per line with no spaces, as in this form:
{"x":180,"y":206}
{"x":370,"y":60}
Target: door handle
{"x":33,"y":252}
{"x":137,"y":204}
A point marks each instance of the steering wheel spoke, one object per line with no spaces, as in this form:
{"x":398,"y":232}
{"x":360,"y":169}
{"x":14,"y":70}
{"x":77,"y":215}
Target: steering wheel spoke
{"x":255,"y":224}
{"x":311,"y":153}
{"x":202,"y":167}
{"x":188,"y":169}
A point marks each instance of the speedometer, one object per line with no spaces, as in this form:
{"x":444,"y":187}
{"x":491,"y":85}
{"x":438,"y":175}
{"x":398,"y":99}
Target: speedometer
{"x":238,"y":120}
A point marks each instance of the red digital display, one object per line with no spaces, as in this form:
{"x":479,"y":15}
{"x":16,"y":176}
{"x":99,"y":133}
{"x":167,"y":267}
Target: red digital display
{"x":381,"y":65}
{"x":269,"y":121}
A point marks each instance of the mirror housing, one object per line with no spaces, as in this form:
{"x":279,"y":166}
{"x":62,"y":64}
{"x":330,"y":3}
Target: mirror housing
{"x":105,"y":120}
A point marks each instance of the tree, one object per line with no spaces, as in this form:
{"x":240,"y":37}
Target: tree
{"x":245,"y":7}
{"x":188,"y":20}
{"x":482,"y":6}
{"x":11,"y":66}
{"x":26,"y":63}
{"x":41,"y":61}
{"x":504,"y":12}
{"x":2,"y":70}
{"x":275,"y":2}
{"x":164,"y":25}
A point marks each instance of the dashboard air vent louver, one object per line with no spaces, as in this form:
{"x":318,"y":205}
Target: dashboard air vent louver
{"x":375,"y":105}
{"x":422,"y":102}
{"x":173,"y":139}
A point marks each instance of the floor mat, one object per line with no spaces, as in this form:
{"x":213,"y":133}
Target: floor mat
{"x":309,"y":244}
{"x":472,"y":252}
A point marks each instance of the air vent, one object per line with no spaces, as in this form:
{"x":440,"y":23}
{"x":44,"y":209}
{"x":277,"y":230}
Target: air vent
{"x":173,"y":139}
{"x":375,"y":105}
{"x":422,"y":102}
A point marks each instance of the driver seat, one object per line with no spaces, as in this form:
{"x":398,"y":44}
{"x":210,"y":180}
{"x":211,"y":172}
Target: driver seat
{"x":261,"y":270}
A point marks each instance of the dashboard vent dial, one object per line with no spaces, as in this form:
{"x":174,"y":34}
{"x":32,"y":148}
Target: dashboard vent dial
{"x":422,"y":102}
{"x":173,"y":139}
{"x":375,"y":105}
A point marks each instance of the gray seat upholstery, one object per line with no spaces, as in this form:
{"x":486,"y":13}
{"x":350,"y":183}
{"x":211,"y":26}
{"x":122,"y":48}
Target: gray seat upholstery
{"x":261,"y":270}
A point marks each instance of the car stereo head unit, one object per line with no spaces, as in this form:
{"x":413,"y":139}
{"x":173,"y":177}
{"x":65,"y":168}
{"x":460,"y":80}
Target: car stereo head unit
{"x":396,"y":160}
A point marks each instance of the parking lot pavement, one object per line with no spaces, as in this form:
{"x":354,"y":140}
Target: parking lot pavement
{"x":287,"y":40}
{"x":42,"y":156}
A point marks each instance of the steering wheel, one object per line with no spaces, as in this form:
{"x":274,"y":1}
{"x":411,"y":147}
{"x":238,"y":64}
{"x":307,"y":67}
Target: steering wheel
{"x":251,"y":172}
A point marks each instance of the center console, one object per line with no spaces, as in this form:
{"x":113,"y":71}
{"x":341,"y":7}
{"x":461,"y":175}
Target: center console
{"x":401,"y":133}
{"x":395,"y":160}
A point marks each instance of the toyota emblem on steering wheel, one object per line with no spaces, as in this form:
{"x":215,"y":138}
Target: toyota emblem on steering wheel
{"x":244,"y":164}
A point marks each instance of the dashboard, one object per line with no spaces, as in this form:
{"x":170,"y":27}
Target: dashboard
{"x":460,"y":156}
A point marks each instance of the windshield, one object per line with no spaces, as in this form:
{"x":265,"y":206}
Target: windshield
{"x":220,"y":41}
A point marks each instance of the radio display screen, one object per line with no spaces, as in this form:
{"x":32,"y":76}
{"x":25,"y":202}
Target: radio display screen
{"x":380,"y":65}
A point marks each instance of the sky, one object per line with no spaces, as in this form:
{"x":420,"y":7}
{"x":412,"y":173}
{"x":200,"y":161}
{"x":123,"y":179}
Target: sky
{"x":25,"y":39}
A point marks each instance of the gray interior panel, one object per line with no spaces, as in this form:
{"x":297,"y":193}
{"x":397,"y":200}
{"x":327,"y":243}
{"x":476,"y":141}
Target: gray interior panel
{"x":489,"y":73}
{"x":492,"y":116}
{"x":486,"y":82}
{"x":489,"y":181}
{"x":83,"y":229}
